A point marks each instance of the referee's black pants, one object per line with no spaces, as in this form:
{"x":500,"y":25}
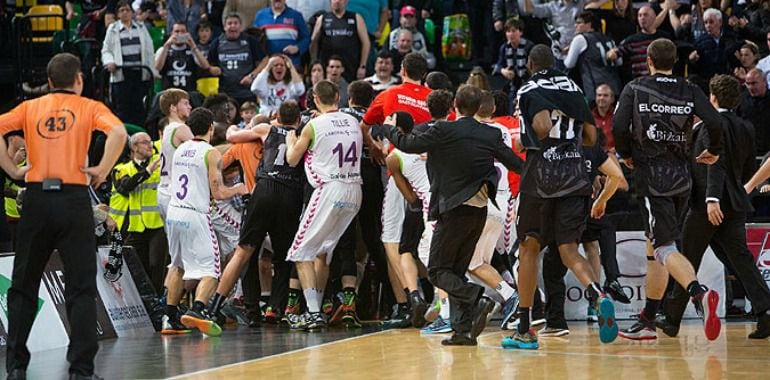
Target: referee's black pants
{"x":60,"y":220}
{"x":454,"y":241}
{"x":728,"y":240}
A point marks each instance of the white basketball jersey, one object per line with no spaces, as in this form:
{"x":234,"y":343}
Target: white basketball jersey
{"x":335,"y":152}
{"x":167,"y":150}
{"x":502,"y":171}
{"x":190,"y":184}
{"x":414,"y":170}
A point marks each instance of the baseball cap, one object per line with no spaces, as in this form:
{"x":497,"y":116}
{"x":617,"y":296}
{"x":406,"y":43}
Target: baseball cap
{"x":408,"y":10}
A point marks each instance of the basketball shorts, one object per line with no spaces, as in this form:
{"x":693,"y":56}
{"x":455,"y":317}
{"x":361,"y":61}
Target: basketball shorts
{"x":192,"y":243}
{"x":393,"y":211}
{"x":493,"y":230}
{"x":662,"y":218}
{"x":226,"y":220}
{"x":558,"y":220}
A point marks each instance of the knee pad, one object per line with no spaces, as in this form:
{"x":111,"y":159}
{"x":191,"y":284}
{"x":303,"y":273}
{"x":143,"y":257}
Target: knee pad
{"x":663,"y":252}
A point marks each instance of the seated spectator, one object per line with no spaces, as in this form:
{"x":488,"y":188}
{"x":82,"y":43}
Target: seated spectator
{"x":714,"y":51}
{"x":179,"y":61}
{"x":277,"y":82}
{"x":402,"y":47}
{"x":186,"y":11}
{"x":204,"y":33}
{"x":127,"y":44}
{"x":419,"y":44}
{"x":383,"y":73}
{"x":755,"y":106}
{"x":285,"y":29}
{"x":748,"y":57}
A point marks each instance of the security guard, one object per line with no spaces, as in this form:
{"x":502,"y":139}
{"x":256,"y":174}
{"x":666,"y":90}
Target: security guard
{"x":134,"y":206}
{"x":57,"y":209}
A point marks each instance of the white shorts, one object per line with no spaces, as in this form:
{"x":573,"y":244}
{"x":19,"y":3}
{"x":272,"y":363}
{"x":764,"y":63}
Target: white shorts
{"x":163,"y":199}
{"x":226,"y":220}
{"x":508,"y":237}
{"x":192,"y":243}
{"x":493,"y":228}
{"x":393,"y":209}
{"x":423,"y":250}
{"x":326,"y":217}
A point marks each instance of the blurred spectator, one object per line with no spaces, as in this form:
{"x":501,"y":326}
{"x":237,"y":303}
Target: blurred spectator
{"x":374,"y":13}
{"x":97,"y":15}
{"x":179,"y":61}
{"x":764,"y":63}
{"x":755,"y":106}
{"x":343,"y":33}
{"x":278,"y":82}
{"x":502,"y":11}
{"x":235,"y":58}
{"x":246,"y":9}
{"x":634,"y":48}
{"x":588,"y":53}
{"x":619,"y":21}
{"x":285,"y":29}
{"x":423,"y":7}
{"x":692,"y":26}
{"x":127,"y":44}
{"x":603,"y":110}
{"x":748,"y":57}
{"x":185,"y":11}
{"x":205,"y":33}
{"x":561,"y":14}
{"x":753,"y":23}
{"x":220,"y":106}
{"x":383,"y":73}
{"x":248,"y":110}
{"x":309,"y":8}
{"x":478,"y":78}
{"x":512,"y":58}
{"x":484,"y":40}
{"x":334,"y":71}
{"x":714,"y":51}
{"x":402,"y":47}
{"x":419,"y":44}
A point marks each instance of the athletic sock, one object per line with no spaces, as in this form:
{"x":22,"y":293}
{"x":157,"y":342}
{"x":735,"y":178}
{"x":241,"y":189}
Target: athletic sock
{"x":311,"y":298}
{"x":650,"y":309}
{"x":524,"y":318}
{"x":505,"y":290}
{"x":444,"y":311}
{"x":171,"y":312}
{"x":264,"y":297}
{"x":198,"y":306}
{"x":216,"y":303}
{"x":695,"y":289}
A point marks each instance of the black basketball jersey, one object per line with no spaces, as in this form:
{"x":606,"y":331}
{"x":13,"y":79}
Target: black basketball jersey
{"x":595,"y":157}
{"x":595,"y":69}
{"x":339,"y":36}
{"x":180,"y":69}
{"x":273,"y":165}
{"x":236,"y":59}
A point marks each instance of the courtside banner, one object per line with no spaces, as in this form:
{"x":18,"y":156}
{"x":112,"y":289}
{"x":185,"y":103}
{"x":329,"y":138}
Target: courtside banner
{"x":632,"y":261}
{"x":48,"y":331}
{"x":122,"y":301}
{"x":758,"y":240}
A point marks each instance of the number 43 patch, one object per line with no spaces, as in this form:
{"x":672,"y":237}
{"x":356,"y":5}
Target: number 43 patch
{"x":55,"y":124}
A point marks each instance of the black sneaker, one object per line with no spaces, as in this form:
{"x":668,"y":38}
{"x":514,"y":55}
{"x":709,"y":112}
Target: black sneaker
{"x":315,"y":322}
{"x":666,"y":325}
{"x":400,"y":319}
{"x":643,"y":329}
{"x":615,"y":290}
{"x":419,"y":307}
{"x":202,"y":322}
{"x":763,"y":327}
{"x":172,"y":327}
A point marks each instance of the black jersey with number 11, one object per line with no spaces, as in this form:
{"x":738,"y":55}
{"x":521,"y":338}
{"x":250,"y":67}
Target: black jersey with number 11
{"x":273,"y":165}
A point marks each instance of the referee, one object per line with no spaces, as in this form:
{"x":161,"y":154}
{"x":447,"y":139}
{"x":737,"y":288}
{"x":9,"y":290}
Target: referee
{"x":57,"y":209}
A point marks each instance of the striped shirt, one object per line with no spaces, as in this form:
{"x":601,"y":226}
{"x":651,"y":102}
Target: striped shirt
{"x":287,"y":28}
{"x":130,"y":46}
{"x":634,"y":50}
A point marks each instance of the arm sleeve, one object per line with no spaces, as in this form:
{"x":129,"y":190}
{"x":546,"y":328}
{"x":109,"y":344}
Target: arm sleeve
{"x":126,"y":184}
{"x":213,"y":55}
{"x":411,"y":143}
{"x":296,"y":89}
{"x":711,"y":119}
{"x":103,"y":118}
{"x":541,"y":10}
{"x":621,"y":122}
{"x":256,"y":50}
{"x":715,"y":174}
{"x":13,"y":120}
{"x":375,"y":114}
{"x":500,"y":60}
{"x":259,"y":85}
{"x":303,"y":38}
{"x":108,"y":46}
{"x":230,"y":156}
{"x":576,"y":47}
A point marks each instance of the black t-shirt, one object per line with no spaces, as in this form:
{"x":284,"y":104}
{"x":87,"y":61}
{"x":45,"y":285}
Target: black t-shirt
{"x":594,"y":158}
{"x":237,"y":58}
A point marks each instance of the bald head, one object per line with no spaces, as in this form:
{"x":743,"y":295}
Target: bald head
{"x":646,"y":19}
{"x":756,"y":83}
{"x":140,"y":144}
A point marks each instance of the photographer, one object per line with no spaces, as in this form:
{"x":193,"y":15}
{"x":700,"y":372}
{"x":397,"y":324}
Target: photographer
{"x":179,"y":60}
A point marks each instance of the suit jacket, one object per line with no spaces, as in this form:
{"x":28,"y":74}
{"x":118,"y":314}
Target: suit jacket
{"x":724,"y":180}
{"x":461,"y":157}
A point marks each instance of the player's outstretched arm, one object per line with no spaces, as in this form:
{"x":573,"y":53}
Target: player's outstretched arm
{"x":218,"y":189}
{"x":614,"y":174}
{"x":760,"y":176}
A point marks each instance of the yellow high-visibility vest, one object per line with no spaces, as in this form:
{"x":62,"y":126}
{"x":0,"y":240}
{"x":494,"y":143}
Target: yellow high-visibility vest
{"x":142,"y":203}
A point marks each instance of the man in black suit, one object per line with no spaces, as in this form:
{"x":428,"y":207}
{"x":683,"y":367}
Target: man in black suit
{"x":461,"y":157}
{"x":718,"y":208}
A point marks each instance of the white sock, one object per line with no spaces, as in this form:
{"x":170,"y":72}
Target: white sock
{"x":508,"y":277}
{"x":320,"y":298}
{"x":505,"y":290}
{"x":444,"y":312}
{"x":312,"y":300}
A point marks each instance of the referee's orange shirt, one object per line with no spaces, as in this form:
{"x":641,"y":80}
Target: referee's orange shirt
{"x":57,"y":128}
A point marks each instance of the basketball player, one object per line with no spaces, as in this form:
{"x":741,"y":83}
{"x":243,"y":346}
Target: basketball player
{"x":333,"y":143}
{"x":194,"y":250}
{"x":175,"y":104}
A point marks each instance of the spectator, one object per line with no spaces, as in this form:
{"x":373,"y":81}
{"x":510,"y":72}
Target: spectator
{"x":764,"y":63}
{"x":419,"y":45}
{"x":317,"y":73}
{"x":235,"y":58}
{"x":187,"y":12}
{"x":588,"y":52}
{"x":714,"y":51}
{"x":374,"y":13}
{"x":309,"y":8}
{"x":561,"y":14}
{"x":334,"y":71}
{"x":477,"y":78}
{"x":692,"y":26}
{"x":383,"y":73}
{"x":619,"y":21}
{"x":755,"y":106}
{"x":754,"y":22}
{"x":342,"y":33}
{"x":278,"y":82}
{"x":204,"y":33}
{"x":423,"y":8}
{"x":512,"y":58}
{"x":285,"y":29}
{"x":748,"y":57}
{"x":502,"y":11}
{"x":246,"y":9}
{"x":402,"y":47}
{"x":97,"y":15}
{"x":603,"y":111}
{"x":127,"y":44}
{"x":248,"y":111}
{"x":634,"y":48}
{"x":179,"y":61}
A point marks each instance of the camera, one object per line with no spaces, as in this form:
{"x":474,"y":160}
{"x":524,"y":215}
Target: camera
{"x":181,"y":38}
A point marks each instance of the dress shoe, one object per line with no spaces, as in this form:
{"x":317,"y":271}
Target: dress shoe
{"x":763,"y":327}
{"x":459,"y":340}
{"x":483,"y":307}
{"x":17,"y":374}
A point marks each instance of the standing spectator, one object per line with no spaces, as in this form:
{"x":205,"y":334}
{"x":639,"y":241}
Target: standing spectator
{"x":134,"y":207}
{"x":692,"y":26}
{"x":419,"y":44}
{"x":402,"y":47}
{"x":285,"y":29}
{"x":603,"y":111}
{"x":714,"y":51}
{"x":634,"y":48}
{"x":483,"y":38}
{"x":588,"y":52}
{"x":128,"y":44}
{"x":755,"y":106}
{"x":309,"y":8}
{"x":343,"y":33}
{"x":204,"y":34}
{"x":187,"y":12}
{"x":57,"y":210}
{"x":374,"y":13}
{"x":619,"y":21}
{"x":273,"y":86}
{"x":179,"y":61}
{"x":764,"y":63}
{"x":502,"y":11}
{"x":334,"y":74}
{"x":246,"y":9}
{"x":749,"y":57}
{"x":235,"y":59}
{"x":512,"y":58}
{"x":561,"y":14}
{"x":383,"y":73}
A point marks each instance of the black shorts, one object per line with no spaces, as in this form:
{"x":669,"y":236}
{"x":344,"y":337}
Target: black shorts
{"x":559,"y":220}
{"x":662,"y":218}
{"x":593,"y":230}
{"x":273,"y":208}
{"x":411,"y":231}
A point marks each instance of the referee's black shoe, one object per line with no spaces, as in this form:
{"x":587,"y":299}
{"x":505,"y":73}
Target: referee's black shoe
{"x":763,"y":327}
{"x":483,"y":308}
